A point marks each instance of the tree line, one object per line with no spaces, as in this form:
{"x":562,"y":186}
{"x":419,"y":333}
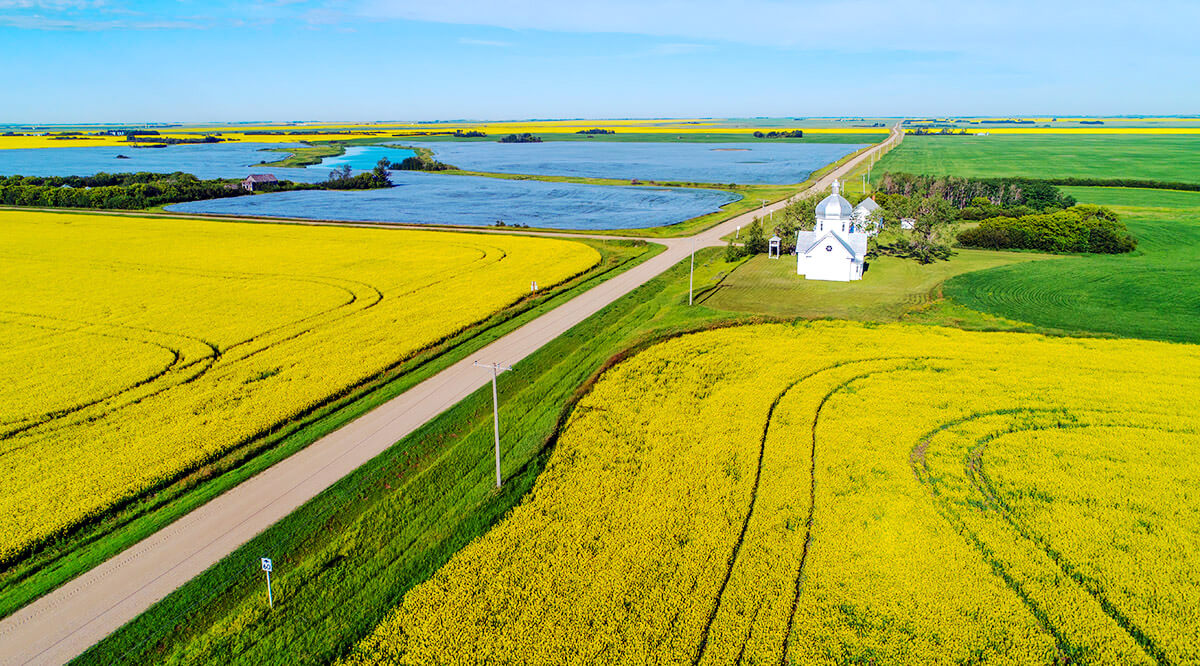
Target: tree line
{"x":919,"y":219}
{"x":781,"y":134}
{"x":136,"y":191}
{"x":524,"y":137}
{"x":961,"y":192}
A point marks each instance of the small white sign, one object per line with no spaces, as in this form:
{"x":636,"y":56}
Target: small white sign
{"x":266,"y":564}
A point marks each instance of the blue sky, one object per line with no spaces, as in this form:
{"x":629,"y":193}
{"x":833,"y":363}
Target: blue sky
{"x":184,"y":60}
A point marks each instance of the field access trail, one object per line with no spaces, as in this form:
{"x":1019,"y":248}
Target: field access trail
{"x":61,"y":625}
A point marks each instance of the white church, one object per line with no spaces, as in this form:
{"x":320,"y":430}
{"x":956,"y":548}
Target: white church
{"x":836,"y":248}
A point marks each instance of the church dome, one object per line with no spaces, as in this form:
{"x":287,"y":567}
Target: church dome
{"x":835,"y":205}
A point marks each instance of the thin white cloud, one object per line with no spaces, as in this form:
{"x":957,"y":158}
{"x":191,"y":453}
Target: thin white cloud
{"x":51,"y":4}
{"x":38,"y":22}
{"x":677,"y":48}
{"x":1100,"y":26}
{"x":483,"y":42}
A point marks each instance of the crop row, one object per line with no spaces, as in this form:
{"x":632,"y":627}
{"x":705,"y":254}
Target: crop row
{"x":835,"y":492}
{"x":264,"y":323}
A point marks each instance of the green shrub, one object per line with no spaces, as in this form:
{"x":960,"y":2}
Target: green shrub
{"x":1081,"y":228}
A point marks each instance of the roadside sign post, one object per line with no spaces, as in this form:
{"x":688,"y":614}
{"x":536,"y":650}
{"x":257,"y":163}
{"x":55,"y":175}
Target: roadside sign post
{"x":496,"y":369}
{"x":267,"y":565}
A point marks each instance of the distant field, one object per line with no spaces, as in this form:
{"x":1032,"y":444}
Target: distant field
{"x":135,"y":350}
{"x":840,"y":493}
{"x":1169,"y":157}
{"x":706,"y":136}
{"x":1153,"y":293}
{"x":890,"y":287}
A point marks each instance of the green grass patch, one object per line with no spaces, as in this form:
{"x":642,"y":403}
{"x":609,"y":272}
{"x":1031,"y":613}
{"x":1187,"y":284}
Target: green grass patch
{"x":890,"y":288}
{"x":1153,"y":292}
{"x":84,"y":548}
{"x":1168,"y":157}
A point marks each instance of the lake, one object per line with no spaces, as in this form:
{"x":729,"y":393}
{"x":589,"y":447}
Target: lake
{"x":423,"y":198}
{"x":210,"y":160}
{"x":364,"y":157}
{"x":749,"y":163}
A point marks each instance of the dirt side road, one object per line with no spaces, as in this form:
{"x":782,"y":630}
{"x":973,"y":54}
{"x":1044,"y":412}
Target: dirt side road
{"x":61,"y":625}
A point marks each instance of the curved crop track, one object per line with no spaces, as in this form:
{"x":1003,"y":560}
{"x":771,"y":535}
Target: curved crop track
{"x":836,"y":492}
{"x":188,"y":339}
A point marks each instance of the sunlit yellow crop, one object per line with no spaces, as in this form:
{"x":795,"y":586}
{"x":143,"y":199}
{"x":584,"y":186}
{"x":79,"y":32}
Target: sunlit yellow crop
{"x":132,"y":350}
{"x":841,"y":493}
{"x":42,"y":138}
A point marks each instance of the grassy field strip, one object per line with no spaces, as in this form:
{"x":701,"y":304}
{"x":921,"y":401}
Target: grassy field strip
{"x":1152,"y":293}
{"x":1150,"y":156}
{"x":891,"y":287}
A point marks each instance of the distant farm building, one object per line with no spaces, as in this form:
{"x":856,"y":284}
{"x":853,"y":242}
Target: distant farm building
{"x":257,"y":180}
{"x":834,"y":249}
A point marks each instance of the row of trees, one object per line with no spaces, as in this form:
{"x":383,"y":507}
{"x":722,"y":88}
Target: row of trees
{"x":961,"y":192}
{"x":524,"y":137}
{"x":343,"y":178}
{"x":930,"y":238}
{"x":118,"y":191}
{"x":781,"y":134}
{"x":135,"y":191}
{"x":421,"y":163}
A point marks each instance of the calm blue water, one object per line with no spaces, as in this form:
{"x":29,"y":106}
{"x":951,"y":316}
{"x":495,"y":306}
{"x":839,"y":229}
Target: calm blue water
{"x":761,"y":163}
{"x":423,"y":198}
{"x":364,"y":157}
{"x":213,"y":160}
{"x":218,"y":160}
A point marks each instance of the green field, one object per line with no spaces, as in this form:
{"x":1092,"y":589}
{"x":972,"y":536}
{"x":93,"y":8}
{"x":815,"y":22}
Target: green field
{"x":1167,"y":157}
{"x":889,"y":289}
{"x":1152,"y":293}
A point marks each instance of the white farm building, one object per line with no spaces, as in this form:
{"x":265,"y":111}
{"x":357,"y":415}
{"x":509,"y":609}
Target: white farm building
{"x":836,"y":248}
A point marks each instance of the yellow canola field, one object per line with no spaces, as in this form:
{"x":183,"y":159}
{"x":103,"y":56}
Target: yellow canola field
{"x":389,"y":131}
{"x":835,"y":492}
{"x":133,"y":350}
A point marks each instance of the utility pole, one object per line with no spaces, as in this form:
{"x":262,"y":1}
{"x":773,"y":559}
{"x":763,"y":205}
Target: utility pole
{"x":496,"y":369}
{"x":692,"y":271}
